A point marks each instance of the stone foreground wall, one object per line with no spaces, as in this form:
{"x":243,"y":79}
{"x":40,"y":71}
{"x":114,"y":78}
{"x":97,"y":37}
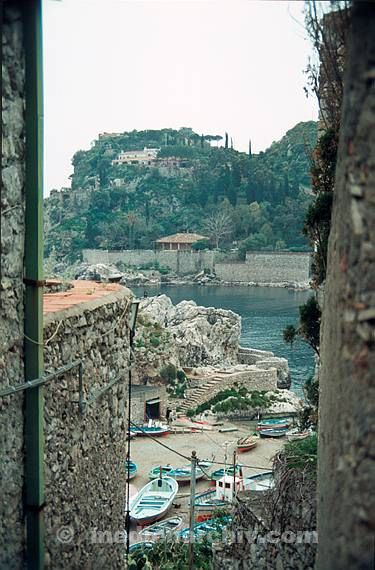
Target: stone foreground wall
{"x":181,"y":262}
{"x":85,"y":453}
{"x":11,"y":292}
{"x":262,"y":267}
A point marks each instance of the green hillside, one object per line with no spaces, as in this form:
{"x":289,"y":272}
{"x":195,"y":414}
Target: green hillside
{"x":259,"y":200}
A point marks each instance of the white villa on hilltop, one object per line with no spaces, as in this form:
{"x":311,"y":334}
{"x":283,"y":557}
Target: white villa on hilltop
{"x":145,"y":156}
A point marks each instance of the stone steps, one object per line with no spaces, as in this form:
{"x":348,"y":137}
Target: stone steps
{"x":196,"y":396}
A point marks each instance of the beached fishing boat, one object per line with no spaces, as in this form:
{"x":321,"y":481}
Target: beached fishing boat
{"x":131,"y":469}
{"x":247,"y":443}
{"x":150,"y":430}
{"x":219,"y":473}
{"x":183,"y":474}
{"x":211,"y":527}
{"x":220,"y":497}
{"x":279,"y":432}
{"x":274,"y":423}
{"x":153,"y":500}
{"x":259,"y":482}
{"x":297,"y":436}
{"x":154,"y":472}
{"x":139,"y":546}
{"x":162,"y":528}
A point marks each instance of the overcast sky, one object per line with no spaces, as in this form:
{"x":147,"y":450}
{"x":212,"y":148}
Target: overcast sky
{"x":213,"y":65}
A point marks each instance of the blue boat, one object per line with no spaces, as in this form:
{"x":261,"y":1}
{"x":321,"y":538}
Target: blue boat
{"x":219,"y":473}
{"x":211,"y":528}
{"x":154,"y":472}
{"x":150,"y":430}
{"x":183,"y":474}
{"x":140,"y":546}
{"x":207,"y":501}
{"x":131,"y":469}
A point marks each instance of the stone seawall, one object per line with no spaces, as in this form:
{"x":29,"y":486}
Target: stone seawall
{"x":267,"y":268}
{"x":11,"y":292}
{"x":181,"y":262}
{"x":85,"y":452}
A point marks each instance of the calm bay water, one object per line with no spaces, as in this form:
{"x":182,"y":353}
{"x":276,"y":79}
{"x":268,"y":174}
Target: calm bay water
{"x":265,"y":311}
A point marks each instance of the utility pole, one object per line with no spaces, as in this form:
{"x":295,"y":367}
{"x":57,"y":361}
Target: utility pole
{"x":192,"y":509}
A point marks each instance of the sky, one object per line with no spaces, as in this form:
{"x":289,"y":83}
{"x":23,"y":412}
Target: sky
{"x":216,"y":66}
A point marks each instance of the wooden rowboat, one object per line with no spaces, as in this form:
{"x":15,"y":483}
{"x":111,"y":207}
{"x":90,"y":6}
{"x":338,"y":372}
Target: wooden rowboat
{"x":247,"y":443}
{"x":279,"y":432}
{"x":297,"y":436}
{"x":211,"y":527}
{"x":260,"y":482}
{"x":154,"y":472}
{"x":147,"y":430}
{"x":162,"y":528}
{"x":208,"y":502}
{"x":183,"y":474}
{"x":219,"y":473}
{"x":153,"y":500}
{"x":131,"y":469}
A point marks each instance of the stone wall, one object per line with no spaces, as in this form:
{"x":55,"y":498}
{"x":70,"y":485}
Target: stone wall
{"x":181,"y":262}
{"x":11,"y":292}
{"x":267,"y":268}
{"x":140,"y":396}
{"x":85,"y":453}
{"x":346,"y":510}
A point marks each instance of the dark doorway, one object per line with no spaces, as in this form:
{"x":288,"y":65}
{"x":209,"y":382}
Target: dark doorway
{"x":153,"y":409}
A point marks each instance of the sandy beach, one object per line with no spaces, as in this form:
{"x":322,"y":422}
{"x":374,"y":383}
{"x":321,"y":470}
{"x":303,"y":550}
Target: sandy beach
{"x":209,"y":445}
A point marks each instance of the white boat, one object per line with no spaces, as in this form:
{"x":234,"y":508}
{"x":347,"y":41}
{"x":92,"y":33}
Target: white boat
{"x":226,"y":489}
{"x":297,"y":436}
{"x":259,"y":482}
{"x":153,"y":501}
{"x":162,"y":528}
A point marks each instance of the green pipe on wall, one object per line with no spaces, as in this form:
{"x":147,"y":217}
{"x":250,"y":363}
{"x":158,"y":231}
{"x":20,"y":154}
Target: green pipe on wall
{"x":33,"y":272}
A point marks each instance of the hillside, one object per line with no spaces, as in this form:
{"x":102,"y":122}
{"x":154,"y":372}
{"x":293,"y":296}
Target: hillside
{"x":259,"y":200}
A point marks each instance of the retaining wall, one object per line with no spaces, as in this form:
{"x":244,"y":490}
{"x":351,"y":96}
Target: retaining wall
{"x":263,"y":267}
{"x":181,"y":262}
{"x":84,"y":453}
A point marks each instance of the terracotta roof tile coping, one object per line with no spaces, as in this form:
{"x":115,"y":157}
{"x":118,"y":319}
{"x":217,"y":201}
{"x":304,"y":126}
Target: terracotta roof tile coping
{"x":81,"y":292}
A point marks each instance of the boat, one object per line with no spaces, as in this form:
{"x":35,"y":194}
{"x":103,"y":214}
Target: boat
{"x":247,"y":443}
{"x":276,"y":423}
{"x":131,"y":469}
{"x":183,"y":474}
{"x":153,"y":500}
{"x":259,"y":482}
{"x":226,"y":489}
{"x":139,"y":546}
{"x":162,"y":528}
{"x":210,"y":527}
{"x":149,"y":430}
{"x":297,"y":436}
{"x":154,"y":472}
{"x":279,"y":432}
{"x":219,"y":473}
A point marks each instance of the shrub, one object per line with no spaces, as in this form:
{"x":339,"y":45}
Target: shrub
{"x":168,"y":372}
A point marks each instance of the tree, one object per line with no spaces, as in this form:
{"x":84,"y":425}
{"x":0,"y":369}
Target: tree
{"x":218,"y":226}
{"x":308,"y":329}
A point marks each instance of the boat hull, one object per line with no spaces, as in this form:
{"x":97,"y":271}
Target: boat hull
{"x":153,"y":501}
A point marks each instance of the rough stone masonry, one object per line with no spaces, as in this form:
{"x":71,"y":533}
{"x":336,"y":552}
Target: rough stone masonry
{"x":11,"y":291}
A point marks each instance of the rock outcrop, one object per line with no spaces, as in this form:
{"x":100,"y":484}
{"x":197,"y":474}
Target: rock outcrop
{"x":200,"y":335}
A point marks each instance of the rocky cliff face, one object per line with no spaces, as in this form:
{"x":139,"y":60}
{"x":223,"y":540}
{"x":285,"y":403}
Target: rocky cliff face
{"x":185,"y":334}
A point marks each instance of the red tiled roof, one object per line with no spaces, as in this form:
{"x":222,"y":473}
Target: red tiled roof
{"x":181,"y":238}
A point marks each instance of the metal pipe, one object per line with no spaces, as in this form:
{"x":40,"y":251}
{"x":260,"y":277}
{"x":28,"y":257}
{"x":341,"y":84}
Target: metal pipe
{"x":33,"y":357}
{"x":192,"y":510}
{"x":39,"y":381}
